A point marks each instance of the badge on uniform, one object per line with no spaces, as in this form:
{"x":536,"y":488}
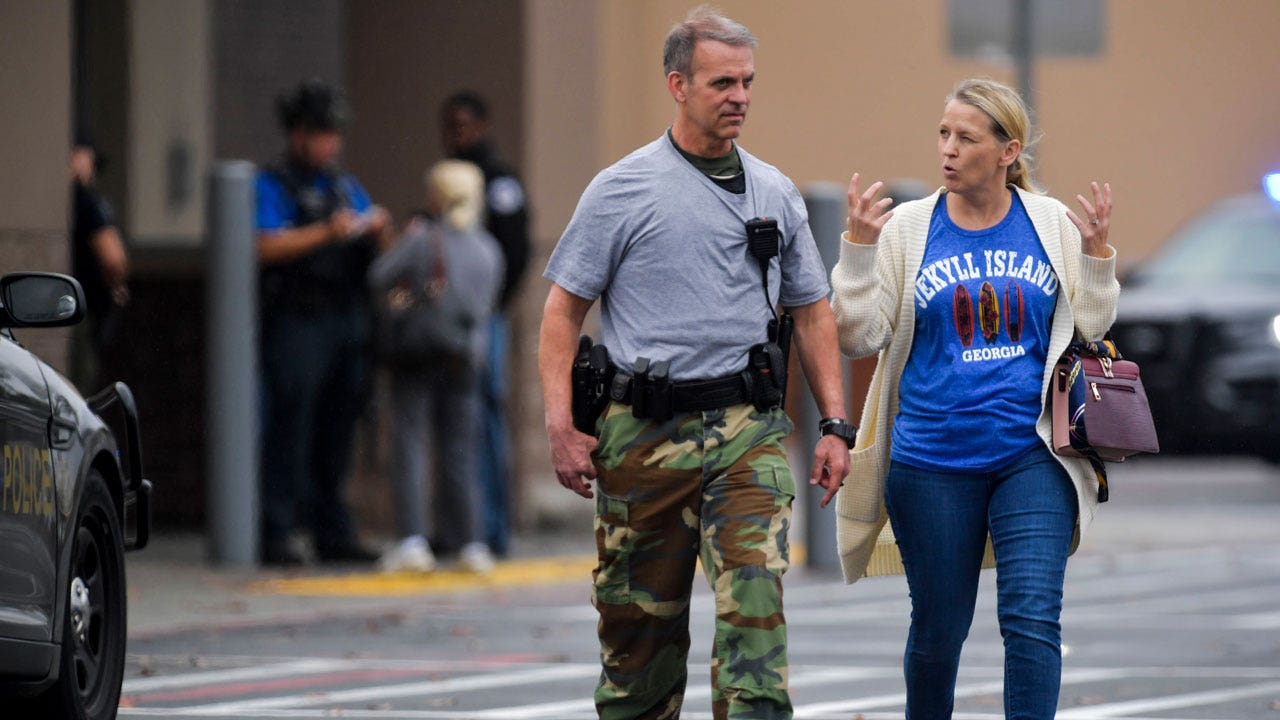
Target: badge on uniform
{"x":505,"y":196}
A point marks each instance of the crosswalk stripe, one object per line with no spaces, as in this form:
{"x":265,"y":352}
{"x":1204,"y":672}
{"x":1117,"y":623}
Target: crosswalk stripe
{"x":800,"y":678}
{"x":1170,"y":702}
{"x":214,"y":677}
{"x":1241,"y":597}
{"x":305,"y":713}
{"x":817,"y":711}
{"x":296,"y":706}
{"x":417,"y":689}
{"x":1187,"y":622}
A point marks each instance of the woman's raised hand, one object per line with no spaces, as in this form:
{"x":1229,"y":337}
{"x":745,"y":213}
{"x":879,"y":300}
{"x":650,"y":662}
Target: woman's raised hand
{"x":867,"y":215}
{"x":1093,"y":230}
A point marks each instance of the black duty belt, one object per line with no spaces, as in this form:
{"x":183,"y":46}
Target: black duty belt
{"x":689,"y":395}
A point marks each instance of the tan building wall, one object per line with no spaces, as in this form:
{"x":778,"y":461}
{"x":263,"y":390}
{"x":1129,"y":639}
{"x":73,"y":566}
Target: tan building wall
{"x":170,"y":139}
{"x":404,"y":58}
{"x":35,"y":114}
{"x":1177,"y":111}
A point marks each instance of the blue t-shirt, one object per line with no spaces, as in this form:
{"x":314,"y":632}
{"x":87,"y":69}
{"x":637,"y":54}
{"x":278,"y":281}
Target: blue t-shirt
{"x":969,"y":396}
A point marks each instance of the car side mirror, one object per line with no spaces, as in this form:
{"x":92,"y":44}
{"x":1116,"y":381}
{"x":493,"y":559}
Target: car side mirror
{"x":34,"y":299}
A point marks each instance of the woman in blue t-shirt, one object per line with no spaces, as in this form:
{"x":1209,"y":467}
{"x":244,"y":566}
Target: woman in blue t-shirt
{"x":968,"y":296}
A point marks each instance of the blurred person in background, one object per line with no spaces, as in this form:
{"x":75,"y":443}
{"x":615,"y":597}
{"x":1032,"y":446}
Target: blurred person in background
{"x":100,"y":261}
{"x":969,"y":296}
{"x":436,"y":393}
{"x":318,"y":232}
{"x":465,"y":121}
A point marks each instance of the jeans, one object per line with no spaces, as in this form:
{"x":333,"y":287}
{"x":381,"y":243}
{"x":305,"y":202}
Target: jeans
{"x":493,"y":449}
{"x":941,"y":521}
{"x":314,"y":371}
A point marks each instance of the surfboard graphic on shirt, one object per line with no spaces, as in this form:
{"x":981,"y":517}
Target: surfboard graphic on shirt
{"x":989,"y":312}
{"x":1013,"y":310}
{"x":962,"y":306}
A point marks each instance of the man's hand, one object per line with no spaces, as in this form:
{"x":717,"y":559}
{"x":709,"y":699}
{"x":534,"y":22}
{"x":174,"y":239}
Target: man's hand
{"x":557,"y":343}
{"x":378,"y":219}
{"x":82,"y":159}
{"x":120,"y":294}
{"x":820,"y":359}
{"x":344,"y":224}
{"x":571,"y":459}
{"x":830,"y":466}
{"x":381,"y":227}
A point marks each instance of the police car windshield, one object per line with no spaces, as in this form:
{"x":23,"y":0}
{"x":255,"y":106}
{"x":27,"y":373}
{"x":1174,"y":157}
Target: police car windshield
{"x":1237,"y":243}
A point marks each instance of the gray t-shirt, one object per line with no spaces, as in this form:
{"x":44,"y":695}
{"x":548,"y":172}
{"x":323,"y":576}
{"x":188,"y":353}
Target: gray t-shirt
{"x":665,"y":251}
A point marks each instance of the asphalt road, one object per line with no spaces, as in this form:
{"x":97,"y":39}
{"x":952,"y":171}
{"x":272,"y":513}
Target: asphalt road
{"x":1172,"y":612}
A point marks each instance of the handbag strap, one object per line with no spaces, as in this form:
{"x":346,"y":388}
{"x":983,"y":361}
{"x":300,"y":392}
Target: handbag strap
{"x":1099,"y":471}
{"x":438,"y":281}
{"x":1104,"y":348}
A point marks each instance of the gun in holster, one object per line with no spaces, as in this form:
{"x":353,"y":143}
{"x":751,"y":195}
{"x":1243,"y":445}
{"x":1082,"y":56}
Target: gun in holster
{"x":591,"y":376}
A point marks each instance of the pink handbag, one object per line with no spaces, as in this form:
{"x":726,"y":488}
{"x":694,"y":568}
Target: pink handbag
{"x":1109,"y":412}
{"x":1099,"y":408}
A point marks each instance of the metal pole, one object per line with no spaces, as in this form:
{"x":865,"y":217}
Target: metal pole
{"x":825,"y":202}
{"x":1024,"y":52}
{"x":232,"y":401}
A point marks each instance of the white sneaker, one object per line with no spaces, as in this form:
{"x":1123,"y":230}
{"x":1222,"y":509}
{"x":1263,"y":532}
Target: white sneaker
{"x":412,"y":554}
{"x":476,"y":558}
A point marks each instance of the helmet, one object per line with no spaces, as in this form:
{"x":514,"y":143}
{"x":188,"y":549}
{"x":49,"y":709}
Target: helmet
{"x":314,"y":105}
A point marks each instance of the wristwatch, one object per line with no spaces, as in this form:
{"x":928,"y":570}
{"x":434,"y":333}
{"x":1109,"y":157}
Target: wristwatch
{"x":840,"y":428}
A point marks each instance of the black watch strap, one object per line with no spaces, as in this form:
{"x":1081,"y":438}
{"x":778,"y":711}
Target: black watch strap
{"x":839,"y":427}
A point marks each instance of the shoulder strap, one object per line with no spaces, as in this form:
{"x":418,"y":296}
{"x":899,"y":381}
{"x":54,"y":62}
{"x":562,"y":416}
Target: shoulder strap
{"x":438,"y":281}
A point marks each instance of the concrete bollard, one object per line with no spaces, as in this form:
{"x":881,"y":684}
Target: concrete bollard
{"x":825,"y":202}
{"x":232,"y":400}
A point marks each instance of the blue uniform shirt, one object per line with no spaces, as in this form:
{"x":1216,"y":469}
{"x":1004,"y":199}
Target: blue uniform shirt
{"x":332,"y":276}
{"x":970,"y":393}
{"x":277,"y":210}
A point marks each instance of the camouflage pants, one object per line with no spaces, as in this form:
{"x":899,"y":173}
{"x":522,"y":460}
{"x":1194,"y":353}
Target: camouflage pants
{"x":713,"y":486}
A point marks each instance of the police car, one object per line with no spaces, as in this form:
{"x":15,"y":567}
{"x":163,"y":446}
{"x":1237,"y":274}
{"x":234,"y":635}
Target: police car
{"x":1202,"y":318}
{"x":72,"y":501}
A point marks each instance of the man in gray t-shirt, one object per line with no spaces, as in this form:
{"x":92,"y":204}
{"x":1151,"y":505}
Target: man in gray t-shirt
{"x":660,"y":239}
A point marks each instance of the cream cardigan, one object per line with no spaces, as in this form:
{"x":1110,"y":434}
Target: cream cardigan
{"x":873,"y":300}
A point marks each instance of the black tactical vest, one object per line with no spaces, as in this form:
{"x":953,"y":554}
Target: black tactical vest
{"x":331,"y":277}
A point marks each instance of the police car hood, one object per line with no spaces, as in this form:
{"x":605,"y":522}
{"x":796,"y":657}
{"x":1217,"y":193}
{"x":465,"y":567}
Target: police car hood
{"x":1167,"y":301}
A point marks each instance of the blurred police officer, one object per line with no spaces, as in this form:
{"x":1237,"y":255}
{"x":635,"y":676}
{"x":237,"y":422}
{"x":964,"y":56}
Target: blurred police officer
{"x":318,"y":231}
{"x":100,"y":261}
{"x":689,"y":456}
{"x":465,"y":124}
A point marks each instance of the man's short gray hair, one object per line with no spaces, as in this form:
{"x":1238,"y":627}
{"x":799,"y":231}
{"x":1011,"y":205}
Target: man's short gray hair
{"x":703,"y":23}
